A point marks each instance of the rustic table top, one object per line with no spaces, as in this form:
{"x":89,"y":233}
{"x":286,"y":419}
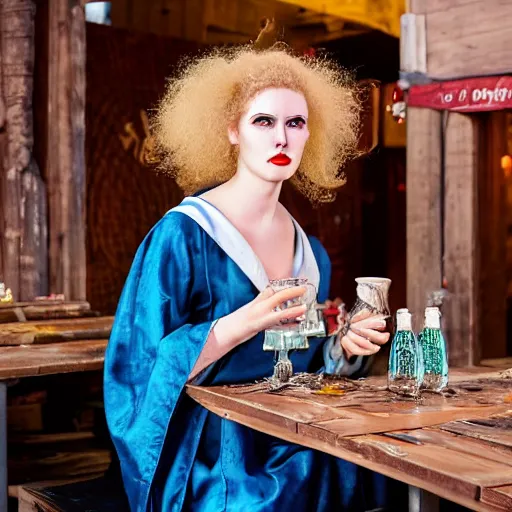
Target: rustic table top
{"x":32,"y":360}
{"x":50,"y":336}
{"x":457,"y":445}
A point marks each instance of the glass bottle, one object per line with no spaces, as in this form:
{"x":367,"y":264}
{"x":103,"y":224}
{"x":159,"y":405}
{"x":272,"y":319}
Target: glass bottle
{"x":433,"y":347}
{"x":405,"y":372}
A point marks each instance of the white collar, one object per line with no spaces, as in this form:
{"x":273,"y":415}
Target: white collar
{"x":233,"y":243}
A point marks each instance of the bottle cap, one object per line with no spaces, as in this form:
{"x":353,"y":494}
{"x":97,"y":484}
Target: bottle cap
{"x":403,"y":320}
{"x":433,"y":317}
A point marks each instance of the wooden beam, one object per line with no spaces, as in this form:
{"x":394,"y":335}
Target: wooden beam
{"x":24,"y":198}
{"x":460,"y":235}
{"x":424,"y":273}
{"x":363,"y":13}
{"x":11,"y":183}
{"x":3,"y":165}
{"x":65,"y":165}
{"x":468,"y":38}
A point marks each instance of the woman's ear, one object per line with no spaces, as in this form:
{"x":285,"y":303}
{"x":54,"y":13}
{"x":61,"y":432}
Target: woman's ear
{"x":233,"y":135}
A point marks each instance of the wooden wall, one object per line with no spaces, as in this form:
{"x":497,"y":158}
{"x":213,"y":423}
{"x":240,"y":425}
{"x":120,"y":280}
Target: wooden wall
{"x":466,"y":37}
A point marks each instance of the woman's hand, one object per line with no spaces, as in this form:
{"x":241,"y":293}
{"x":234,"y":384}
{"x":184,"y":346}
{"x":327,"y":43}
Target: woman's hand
{"x":364,"y":336}
{"x":259,"y":314}
{"x":244,"y":323}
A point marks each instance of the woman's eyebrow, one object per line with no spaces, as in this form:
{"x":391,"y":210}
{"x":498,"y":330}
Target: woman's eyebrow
{"x":302,"y":116}
{"x":263,"y":114}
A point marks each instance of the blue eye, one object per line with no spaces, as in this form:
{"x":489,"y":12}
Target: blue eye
{"x":263,"y":121}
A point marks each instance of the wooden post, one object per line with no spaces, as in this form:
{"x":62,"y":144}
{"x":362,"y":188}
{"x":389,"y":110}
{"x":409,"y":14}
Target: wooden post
{"x":460,"y":234}
{"x":424,"y":190}
{"x":11,"y":195}
{"x":23,"y":193}
{"x":3,"y":165}
{"x":65,"y":163}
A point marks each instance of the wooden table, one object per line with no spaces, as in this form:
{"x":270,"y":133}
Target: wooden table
{"x":457,"y":446}
{"x":34,"y":360}
{"x":46,"y":337}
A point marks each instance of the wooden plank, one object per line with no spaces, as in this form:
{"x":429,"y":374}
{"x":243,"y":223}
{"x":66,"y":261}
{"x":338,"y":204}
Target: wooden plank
{"x":498,"y":496}
{"x":15,"y":490}
{"x":460,"y":443}
{"x":417,"y":6}
{"x":460,"y":239}
{"x":345,"y":451}
{"x":491,"y":432}
{"x":353,"y":423}
{"x":469,"y":38}
{"x":69,"y":329}
{"x":339,"y":416}
{"x":430,"y":6}
{"x":65,"y":165}
{"x":461,"y":473}
{"x":35,"y":360}
{"x":23,"y":311}
{"x":423,"y":208}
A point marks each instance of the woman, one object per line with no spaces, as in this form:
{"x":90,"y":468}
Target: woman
{"x":196,"y":301}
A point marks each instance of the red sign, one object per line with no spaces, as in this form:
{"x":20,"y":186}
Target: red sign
{"x":467,"y":95}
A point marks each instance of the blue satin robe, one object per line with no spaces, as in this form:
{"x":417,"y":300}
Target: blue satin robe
{"x":174,"y":454}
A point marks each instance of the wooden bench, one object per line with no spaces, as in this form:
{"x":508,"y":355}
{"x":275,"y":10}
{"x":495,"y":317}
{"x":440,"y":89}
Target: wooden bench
{"x":103,"y":494}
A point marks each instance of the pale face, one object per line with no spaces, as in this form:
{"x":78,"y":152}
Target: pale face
{"x":271,"y":134}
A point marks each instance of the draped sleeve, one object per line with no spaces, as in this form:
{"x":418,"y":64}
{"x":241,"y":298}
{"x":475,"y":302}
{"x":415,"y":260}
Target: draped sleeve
{"x":163,"y":319}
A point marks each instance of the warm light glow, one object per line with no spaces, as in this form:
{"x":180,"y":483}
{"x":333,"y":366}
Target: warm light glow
{"x":506,"y":164}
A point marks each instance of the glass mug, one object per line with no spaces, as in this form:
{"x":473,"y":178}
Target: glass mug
{"x":292,"y":334}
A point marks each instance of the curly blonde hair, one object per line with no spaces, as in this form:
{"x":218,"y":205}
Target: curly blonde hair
{"x":211,"y":93}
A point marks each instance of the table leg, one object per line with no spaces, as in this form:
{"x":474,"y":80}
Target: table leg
{"x":422,"y":501}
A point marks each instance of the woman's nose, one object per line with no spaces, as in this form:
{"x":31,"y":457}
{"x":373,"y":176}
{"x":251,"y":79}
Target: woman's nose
{"x":280,"y":136}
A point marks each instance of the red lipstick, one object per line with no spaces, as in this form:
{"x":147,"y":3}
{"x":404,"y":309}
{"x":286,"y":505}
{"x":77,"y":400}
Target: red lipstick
{"x":280,"y":159}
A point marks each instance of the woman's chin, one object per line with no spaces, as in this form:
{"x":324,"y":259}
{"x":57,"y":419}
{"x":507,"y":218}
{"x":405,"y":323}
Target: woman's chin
{"x":277,"y":175}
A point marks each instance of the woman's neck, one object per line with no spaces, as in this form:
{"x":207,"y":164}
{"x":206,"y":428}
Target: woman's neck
{"x":251,"y":199}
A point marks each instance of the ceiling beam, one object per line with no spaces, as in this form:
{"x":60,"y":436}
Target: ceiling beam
{"x":374,"y":14}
